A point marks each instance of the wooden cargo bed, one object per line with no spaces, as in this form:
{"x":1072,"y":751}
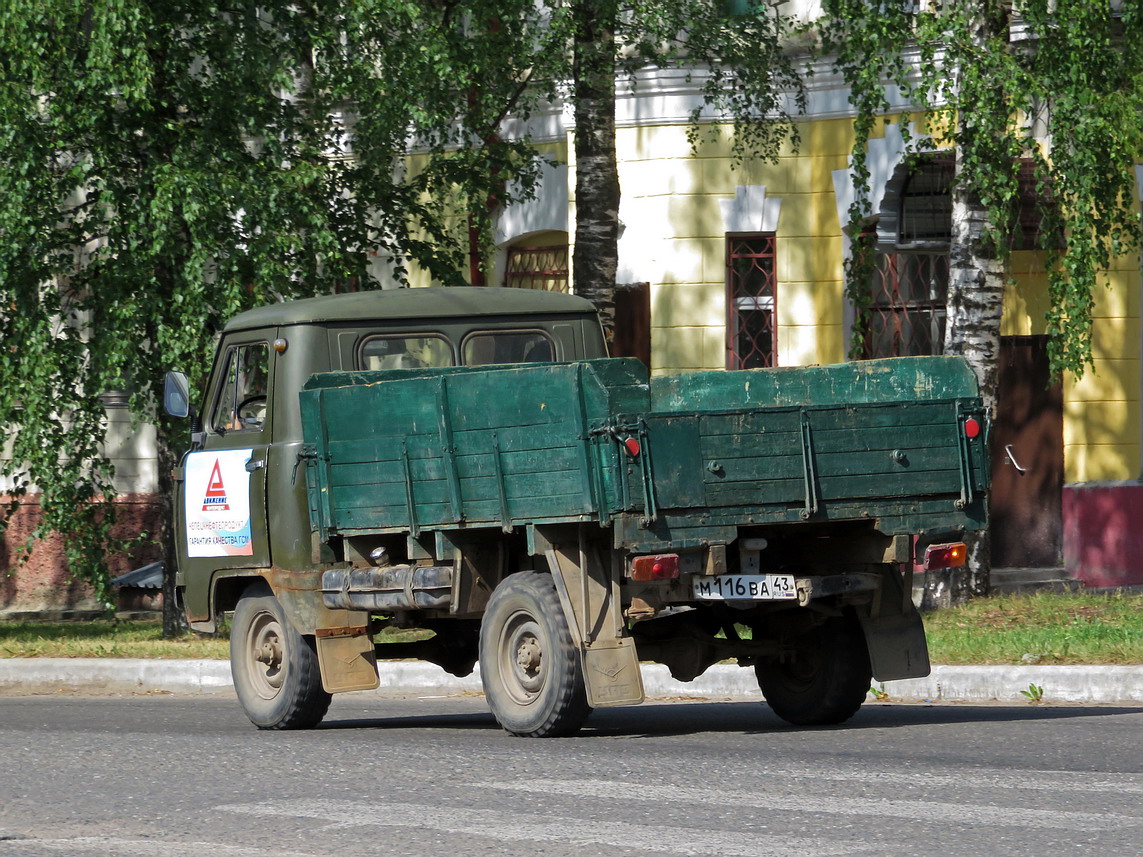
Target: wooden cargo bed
{"x":667,"y":462}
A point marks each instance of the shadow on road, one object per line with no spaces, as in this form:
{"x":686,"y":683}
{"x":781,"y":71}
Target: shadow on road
{"x":662,"y":719}
{"x":756,"y":718}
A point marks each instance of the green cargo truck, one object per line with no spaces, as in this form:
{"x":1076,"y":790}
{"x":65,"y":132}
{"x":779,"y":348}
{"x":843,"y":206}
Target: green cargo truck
{"x":469,"y":463}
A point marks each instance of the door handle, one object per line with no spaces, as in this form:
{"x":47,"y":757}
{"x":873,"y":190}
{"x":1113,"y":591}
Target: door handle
{"x":255,"y":464}
{"x":1012,"y":458}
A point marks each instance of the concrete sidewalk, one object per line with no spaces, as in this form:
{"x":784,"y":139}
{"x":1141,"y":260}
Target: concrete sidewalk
{"x":1121,"y":685}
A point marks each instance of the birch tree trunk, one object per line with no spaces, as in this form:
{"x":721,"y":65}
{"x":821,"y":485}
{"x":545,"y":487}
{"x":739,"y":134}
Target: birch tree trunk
{"x":977,"y":272}
{"x":975,"y":303}
{"x":596,"y":255}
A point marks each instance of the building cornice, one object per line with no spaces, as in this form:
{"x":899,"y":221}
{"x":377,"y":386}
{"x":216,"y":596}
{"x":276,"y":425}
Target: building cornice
{"x":658,"y":97}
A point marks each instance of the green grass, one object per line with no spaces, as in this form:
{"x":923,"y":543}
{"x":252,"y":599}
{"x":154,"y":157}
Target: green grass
{"x":1051,"y":628}
{"x":104,"y":638}
{"x":1048,"y":628}
{"x":110,"y":638}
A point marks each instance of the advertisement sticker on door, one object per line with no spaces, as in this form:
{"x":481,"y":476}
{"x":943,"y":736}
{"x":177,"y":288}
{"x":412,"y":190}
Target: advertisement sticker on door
{"x":217,"y":498}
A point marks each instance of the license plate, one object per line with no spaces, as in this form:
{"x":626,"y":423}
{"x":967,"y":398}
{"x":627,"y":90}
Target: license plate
{"x":745,"y":587}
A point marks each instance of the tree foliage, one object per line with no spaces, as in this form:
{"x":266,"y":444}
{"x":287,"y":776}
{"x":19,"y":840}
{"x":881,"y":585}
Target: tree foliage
{"x":164,"y":166}
{"x":1053,"y":82}
{"x":1059,"y":82}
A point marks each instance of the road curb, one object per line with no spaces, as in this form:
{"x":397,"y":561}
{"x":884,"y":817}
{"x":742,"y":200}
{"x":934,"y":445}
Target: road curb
{"x":114,"y":675}
{"x":1072,"y":684}
{"x":1091,"y":684}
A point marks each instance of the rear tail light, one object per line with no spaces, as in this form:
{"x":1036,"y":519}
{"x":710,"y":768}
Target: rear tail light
{"x":661,"y":567}
{"x":971,"y":428}
{"x":945,"y":556}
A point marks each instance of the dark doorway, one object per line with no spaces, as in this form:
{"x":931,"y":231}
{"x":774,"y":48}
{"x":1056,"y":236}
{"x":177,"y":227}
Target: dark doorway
{"x":632,"y":334}
{"x":1027,"y":458}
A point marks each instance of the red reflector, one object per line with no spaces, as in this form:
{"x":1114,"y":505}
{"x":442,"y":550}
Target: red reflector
{"x":971,"y":428}
{"x":661,"y":567}
{"x":945,"y":556}
{"x":632,"y":444}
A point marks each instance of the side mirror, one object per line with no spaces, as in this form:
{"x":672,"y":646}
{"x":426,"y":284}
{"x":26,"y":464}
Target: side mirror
{"x":176,"y":395}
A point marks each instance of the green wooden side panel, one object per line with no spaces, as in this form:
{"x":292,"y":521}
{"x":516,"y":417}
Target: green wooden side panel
{"x":764,"y":465}
{"x":901,"y":379}
{"x":487,"y":446}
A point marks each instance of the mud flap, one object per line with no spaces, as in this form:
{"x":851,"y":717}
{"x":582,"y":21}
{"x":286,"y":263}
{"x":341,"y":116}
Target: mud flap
{"x":897,"y":647}
{"x":611,"y":673}
{"x":348,"y":661}
{"x":589,"y":594}
{"x":894,"y":632}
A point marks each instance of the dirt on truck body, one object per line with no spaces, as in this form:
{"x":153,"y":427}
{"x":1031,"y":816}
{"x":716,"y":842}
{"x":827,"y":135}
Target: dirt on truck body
{"x":468,"y":461}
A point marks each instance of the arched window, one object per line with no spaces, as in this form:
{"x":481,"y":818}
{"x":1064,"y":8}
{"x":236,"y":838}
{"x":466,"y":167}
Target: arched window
{"x":540,"y":266}
{"x":909,"y":288}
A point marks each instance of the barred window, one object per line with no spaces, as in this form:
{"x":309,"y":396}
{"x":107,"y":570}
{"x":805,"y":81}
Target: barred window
{"x":906,"y":316}
{"x":909,"y":287}
{"x":751,"y":294}
{"x":538,"y":268}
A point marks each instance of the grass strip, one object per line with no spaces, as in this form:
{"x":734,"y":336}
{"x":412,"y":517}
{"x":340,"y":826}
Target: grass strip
{"x":1039,"y":628}
{"x":113,"y":638}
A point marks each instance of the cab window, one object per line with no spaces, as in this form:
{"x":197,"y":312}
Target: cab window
{"x":243,"y":397}
{"x":405,"y":352}
{"x":508,"y":346}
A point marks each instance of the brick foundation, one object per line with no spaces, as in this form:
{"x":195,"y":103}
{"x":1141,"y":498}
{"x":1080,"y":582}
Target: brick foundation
{"x":43,"y":584}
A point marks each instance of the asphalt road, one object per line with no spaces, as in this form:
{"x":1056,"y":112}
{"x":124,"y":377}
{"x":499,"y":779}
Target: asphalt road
{"x":178,"y":776}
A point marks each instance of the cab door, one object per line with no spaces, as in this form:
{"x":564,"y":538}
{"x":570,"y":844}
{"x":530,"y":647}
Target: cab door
{"x":224,"y":483}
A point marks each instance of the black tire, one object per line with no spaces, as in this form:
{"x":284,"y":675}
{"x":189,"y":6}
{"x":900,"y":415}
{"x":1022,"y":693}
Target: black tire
{"x":529,"y":666}
{"x":825,"y":681}
{"x":275,"y":669}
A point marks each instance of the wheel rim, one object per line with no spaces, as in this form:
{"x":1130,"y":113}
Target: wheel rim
{"x":266,"y":655}
{"x":802,"y":672}
{"x":799,"y":675}
{"x":521,"y":656}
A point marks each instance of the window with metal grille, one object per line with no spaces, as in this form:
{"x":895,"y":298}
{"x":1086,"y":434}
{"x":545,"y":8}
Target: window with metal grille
{"x":750,"y":286}
{"x":538,"y":268}
{"x":906,"y":315}
{"x":909,"y":288}
{"x":926,"y":203}
{"x":909,"y":285}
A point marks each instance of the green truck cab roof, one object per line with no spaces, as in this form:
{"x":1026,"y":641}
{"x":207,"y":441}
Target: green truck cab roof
{"x":435,"y":302}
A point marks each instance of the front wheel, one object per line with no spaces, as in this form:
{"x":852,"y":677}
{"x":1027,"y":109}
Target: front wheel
{"x":529,"y":666}
{"x":275,"y":669}
{"x":825,"y":679}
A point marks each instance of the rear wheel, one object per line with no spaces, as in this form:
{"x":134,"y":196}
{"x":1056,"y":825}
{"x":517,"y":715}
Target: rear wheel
{"x":275,"y":669}
{"x":529,"y":665}
{"x":826,"y":678}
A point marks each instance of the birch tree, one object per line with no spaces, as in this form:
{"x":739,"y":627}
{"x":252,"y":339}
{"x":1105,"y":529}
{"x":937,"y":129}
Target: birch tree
{"x":749,"y":82}
{"x":1056,"y":82}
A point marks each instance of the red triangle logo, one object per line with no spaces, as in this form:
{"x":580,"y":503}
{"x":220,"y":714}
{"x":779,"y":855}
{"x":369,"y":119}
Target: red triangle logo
{"x":215,"y":498}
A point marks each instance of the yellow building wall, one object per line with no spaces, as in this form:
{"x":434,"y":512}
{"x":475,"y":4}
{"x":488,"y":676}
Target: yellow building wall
{"x":1102,"y":432}
{"x":686,"y":262}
